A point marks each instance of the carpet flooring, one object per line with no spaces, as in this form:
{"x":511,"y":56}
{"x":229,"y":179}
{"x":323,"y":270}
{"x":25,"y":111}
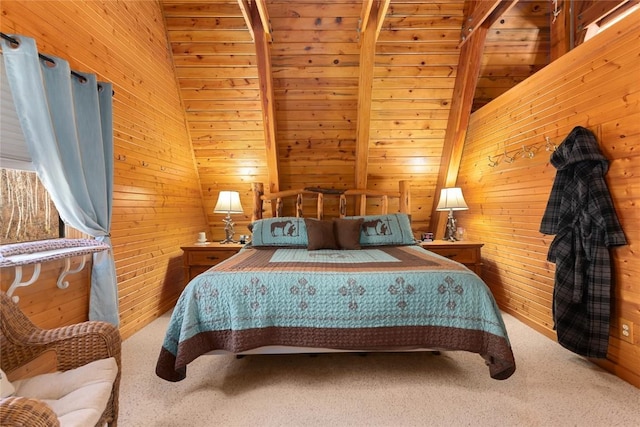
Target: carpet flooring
{"x":551,"y":387}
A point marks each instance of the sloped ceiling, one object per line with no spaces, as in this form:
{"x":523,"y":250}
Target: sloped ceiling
{"x":339,"y":93}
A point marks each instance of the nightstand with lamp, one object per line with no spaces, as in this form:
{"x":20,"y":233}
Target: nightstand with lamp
{"x":452,"y":247}
{"x":201,"y":256}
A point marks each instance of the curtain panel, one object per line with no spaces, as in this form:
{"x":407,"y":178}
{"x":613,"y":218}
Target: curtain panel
{"x":68,"y":127}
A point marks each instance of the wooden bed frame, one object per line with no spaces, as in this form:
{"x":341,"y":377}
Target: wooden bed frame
{"x":277,"y":203}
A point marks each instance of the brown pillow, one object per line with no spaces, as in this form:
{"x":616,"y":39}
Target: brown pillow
{"x":320,"y":234}
{"x":347,"y":232}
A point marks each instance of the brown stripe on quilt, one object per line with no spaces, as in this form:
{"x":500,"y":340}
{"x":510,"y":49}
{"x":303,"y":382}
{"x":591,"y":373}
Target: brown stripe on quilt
{"x":259,"y":260}
{"x":495,"y":350}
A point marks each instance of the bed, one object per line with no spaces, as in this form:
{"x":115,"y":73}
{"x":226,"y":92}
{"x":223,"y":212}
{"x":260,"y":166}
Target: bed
{"x":352,"y":283}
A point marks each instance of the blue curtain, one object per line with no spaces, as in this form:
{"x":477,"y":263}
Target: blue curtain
{"x":68,"y":129}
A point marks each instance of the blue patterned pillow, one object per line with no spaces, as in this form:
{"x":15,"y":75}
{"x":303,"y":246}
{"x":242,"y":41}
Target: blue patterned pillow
{"x":390,"y":229}
{"x":282,"y":231}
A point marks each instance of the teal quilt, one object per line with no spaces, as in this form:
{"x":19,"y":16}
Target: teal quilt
{"x":379,"y":298}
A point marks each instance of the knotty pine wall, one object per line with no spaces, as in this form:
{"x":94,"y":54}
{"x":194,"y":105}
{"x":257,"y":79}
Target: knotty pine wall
{"x":597,"y":86}
{"x":157,"y":203}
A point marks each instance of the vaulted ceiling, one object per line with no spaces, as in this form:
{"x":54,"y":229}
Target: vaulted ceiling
{"x":348,"y":93}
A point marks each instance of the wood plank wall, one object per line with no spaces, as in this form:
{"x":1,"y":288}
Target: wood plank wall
{"x":157,"y":196}
{"x":595,"y":86}
{"x":215,"y":62}
{"x":516,"y":47}
{"x":413,"y":78}
{"x":315,"y":58}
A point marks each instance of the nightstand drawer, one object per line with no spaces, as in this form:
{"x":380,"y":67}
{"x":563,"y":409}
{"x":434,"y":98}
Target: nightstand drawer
{"x":210,"y":257}
{"x":461,"y":255}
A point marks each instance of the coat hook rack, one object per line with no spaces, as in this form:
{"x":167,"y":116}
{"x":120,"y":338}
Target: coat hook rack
{"x":526,"y":152}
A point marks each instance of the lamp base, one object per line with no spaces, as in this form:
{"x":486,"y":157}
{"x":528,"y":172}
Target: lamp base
{"x":450,"y":234}
{"x":228,"y":230}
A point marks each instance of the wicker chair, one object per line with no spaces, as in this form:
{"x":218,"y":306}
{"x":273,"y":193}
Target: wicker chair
{"x":74,"y":345}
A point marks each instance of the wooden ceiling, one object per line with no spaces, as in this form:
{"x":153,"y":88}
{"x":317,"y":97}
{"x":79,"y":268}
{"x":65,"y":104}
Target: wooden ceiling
{"x":344,"y":94}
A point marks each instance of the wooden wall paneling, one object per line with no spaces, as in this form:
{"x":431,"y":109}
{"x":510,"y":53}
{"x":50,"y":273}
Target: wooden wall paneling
{"x":315,"y":91}
{"x":217,"y":70}
{"x":525,"y":22}
{"x":414,"y":75}
{"x":462,"y":100}
{"x":595,"y":86}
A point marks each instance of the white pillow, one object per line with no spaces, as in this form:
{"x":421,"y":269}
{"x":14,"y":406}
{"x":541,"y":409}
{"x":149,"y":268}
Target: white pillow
{"x":6,"y":388}
{"x":77,"y":396}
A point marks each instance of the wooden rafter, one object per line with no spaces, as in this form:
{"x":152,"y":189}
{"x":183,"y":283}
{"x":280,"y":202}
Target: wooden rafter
{"x":482,"y":15}
{"x":257,"y":20}
{"x":588,"y":13}
{"x":246,"y":7}
{"x":484,"y":12}
{"x":373,"y":14}
{"x":560,"y":38}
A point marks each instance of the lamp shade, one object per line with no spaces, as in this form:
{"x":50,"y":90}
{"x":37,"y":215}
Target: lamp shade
{"x":451,"y":199}
{"x":228,"y":202}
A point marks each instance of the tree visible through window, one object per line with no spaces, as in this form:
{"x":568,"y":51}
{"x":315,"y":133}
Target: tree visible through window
{"x":27,"y":212}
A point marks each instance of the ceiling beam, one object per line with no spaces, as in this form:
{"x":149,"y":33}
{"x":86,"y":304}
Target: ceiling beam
{"x":482,"y":14}
{"x":560,"y":29}
{"x":587,"y":13}
{"x":257,"y":20}
{"x":373,"y":13}
{"x":246,"y":7}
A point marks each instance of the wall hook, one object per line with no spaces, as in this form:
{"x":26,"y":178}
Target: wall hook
{"x":527,"y":152}
{"x":549,"y":146}
{"x":492,"y":163}
{"x":507,"y":157}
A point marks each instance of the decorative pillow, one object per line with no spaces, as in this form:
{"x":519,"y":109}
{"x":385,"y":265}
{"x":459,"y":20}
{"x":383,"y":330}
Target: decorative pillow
{"x":281,"y":231}
{"x":390,"y":229}
{"x":320,"y":234}
{"x":347,"y":232}
{"x":6,"y":388}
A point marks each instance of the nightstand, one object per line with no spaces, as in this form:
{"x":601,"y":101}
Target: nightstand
{"x":465,"y":252}
{"x":199,"y":257}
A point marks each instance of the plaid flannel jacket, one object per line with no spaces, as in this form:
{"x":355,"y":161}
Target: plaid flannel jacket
{"x":581,"y":214}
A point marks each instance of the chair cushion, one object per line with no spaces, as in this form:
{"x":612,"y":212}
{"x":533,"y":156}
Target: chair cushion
{"x":78,"y":396}
{"x":6,"y":387}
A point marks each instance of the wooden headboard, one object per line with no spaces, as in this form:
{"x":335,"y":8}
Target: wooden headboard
{"x":404,"y":204}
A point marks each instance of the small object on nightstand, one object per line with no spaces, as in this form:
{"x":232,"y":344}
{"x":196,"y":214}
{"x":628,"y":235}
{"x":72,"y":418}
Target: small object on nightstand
{"x":427,"y":237}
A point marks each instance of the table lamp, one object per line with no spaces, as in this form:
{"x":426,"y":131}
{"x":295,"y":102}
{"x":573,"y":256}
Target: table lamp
{"x":451,"y":200}
{"x":229,"y":203}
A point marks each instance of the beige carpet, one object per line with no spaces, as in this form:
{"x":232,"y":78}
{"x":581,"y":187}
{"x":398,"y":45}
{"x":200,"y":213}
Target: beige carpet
{"x":551,"y":387}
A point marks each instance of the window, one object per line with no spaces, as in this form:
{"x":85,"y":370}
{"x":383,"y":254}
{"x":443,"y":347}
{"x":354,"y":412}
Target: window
{"x":26,"y":209}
